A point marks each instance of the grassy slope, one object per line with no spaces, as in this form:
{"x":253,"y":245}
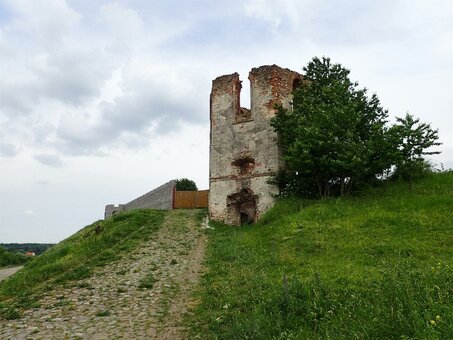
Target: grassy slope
{"x":375,"y":266}
{"x":75,"y":258}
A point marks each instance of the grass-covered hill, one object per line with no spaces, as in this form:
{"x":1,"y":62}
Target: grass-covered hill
{"x":77,"y":257}
{"x":375,"y":266}
{"x":11,"y":258}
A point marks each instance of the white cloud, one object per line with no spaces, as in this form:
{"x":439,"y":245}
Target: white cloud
{"x":49,"y":160}
{"x":7,"y":149}
{"x":74,"y":93}
{"x":276,"y":13}
{"x":47,"y":21}
{"x":124,"y":22}
{"x":119,"y":91}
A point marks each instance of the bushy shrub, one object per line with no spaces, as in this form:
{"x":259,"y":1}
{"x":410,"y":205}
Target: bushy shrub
{"x":185,"y":184}
{"x":8,"y":258}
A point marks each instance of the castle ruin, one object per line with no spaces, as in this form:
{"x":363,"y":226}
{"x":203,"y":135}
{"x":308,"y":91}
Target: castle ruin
{"x":165,"y":197}
{"x":244,"y":152}
{"x":159,"y":198}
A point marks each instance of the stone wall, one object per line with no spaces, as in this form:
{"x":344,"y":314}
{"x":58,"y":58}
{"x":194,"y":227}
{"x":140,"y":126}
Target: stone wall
{"x":159,"y":198}
{"x":112,"y":209}
{"x":244,"y":152}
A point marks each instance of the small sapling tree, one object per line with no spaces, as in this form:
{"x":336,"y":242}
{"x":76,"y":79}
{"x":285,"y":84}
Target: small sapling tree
{"x":411,"y":141}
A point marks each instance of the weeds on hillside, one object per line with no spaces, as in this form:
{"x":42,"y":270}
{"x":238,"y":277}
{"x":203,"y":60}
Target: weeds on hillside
{"x":376,"y":266}
{"x":103,"y":313}
{"x":76,"y":257}
{"x":148,"y":281}
{"x":403,"y":304}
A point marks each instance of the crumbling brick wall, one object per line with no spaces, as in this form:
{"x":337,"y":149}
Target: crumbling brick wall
{"x":244,"y":152}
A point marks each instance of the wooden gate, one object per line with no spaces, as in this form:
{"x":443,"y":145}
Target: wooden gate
{"x":190,"y":199}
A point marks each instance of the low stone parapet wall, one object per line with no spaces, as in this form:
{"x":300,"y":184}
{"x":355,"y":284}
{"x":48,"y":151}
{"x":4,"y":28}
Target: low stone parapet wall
{"x":159,"y":198}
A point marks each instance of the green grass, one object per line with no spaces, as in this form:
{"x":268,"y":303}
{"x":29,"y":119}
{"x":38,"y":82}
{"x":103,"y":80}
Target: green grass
{"x":76,"y":258}
{"x":103,"y":313}
{"x":375,"y":266}
{"x":148,"y":281}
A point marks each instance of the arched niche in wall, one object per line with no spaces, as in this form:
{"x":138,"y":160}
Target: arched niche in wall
{"x":241,"y":207}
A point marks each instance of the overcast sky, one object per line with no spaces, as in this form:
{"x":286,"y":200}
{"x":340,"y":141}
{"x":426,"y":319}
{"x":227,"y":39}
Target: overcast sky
{"x":101,"y":101}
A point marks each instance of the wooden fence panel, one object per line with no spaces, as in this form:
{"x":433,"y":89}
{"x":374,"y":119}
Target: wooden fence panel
{"x":190,"y":199}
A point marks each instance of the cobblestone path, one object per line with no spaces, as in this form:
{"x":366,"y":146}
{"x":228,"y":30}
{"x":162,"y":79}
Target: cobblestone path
{"x":4,"y":273}
{"x":114,"y":302}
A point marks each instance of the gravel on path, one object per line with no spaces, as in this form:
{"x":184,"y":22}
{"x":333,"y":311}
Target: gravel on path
{"x":4,"y":273}
{"x":142,"y":296}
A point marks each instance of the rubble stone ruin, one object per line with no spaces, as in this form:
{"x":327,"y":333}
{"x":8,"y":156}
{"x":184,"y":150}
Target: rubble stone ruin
{"x":244,"y":152}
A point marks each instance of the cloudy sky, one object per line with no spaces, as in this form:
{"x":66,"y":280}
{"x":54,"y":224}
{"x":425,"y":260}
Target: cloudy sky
{"x":101,"y":101}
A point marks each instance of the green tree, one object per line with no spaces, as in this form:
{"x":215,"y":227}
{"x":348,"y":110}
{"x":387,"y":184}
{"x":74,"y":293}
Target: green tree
{"x":9,"y":258}
{"x":185,"y":184}
{"x":335,"y":135}
{"x":411,"y":140}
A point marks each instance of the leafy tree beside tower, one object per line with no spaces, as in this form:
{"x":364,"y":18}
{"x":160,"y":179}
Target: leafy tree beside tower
{"x":336,"y":137}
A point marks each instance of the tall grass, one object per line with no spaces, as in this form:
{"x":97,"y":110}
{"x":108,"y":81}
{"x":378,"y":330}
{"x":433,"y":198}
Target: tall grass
{"x":377,"y":266}
{"x":76,"y":257}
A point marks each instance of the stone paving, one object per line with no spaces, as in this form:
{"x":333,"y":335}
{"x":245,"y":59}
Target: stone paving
{"x":112,"y":303}
{"x":4,"y":273}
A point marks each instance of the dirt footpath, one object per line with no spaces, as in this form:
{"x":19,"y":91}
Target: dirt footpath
{"x":4,"y":273}
{"x":114,"y":302}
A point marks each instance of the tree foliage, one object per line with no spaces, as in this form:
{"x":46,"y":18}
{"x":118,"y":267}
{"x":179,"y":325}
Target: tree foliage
{"x":335,"y":133}
{"x":37,"y":248}
{"x":411,"y":140}
{"x":9,"y":258}
{"x":336,"y":136}
{"x":185,"y":184}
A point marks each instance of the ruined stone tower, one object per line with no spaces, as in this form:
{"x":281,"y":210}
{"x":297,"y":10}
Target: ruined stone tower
{"x":244,"y":152}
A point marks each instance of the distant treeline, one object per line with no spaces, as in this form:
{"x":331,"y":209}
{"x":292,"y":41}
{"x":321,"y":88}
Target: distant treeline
{"x":9,"y":258}
{"x":37,"y":248}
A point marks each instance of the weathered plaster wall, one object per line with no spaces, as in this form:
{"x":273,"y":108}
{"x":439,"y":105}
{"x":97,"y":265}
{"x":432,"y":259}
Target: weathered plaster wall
{"x":244,"y":152}
{"x":112,"y":209}
{"x":159,"y":198}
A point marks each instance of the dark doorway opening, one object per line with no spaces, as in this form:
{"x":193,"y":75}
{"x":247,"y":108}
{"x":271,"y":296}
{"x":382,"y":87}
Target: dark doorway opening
{"x":242,"y":207}
{"x":244,"y":218}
